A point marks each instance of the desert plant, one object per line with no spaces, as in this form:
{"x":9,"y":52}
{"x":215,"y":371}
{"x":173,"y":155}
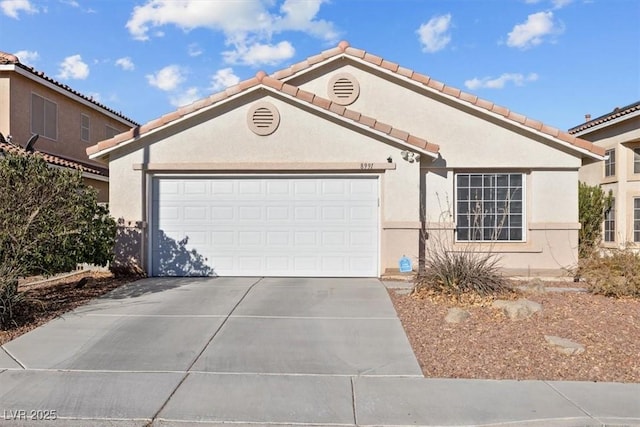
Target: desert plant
{"x":49,"y":222}
{"x":459,"y":269}
{"x":615,"y":273}
{"x":593,"y":202}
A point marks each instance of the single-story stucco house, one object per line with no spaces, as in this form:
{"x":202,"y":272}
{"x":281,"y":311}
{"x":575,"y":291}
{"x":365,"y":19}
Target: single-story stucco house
{"x":338,"y":166}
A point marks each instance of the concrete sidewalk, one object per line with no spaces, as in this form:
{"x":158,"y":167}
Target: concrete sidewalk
{"x":249,"y":351}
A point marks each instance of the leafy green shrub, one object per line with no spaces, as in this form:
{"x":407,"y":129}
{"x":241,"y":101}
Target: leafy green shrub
{"x":49,"y":222}
{"x":615,"y":274}
{"x":460,"y":272}
{"x":592,"y":205}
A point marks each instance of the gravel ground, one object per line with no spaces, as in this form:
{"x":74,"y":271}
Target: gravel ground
{"x":488,"y":345}
{"x":49,"y":299}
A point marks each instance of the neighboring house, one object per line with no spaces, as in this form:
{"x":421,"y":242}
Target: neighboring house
{"x":618,"y":133}
{"x":336,"y":166}
{"x":90,"y":174}
{"x":66,"y":121}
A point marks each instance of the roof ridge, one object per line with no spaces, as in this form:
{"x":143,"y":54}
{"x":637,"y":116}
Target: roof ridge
{"x":9,"y":59}
{"x":344,"y":49}
{"x":617,"y":112}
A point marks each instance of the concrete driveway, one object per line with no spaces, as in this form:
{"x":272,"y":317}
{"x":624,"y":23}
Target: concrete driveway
{"x":253,"y":352}
{"x":223,"y":349}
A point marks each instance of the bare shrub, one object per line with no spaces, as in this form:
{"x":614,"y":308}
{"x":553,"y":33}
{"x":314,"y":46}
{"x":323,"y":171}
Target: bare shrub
{"x":464,"y":271}
{"x":614,"y":274}
{"x":460,"y":269}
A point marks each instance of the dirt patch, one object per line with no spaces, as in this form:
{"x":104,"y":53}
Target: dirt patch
{"x":490,"y":346}
{"x":47,"y":300}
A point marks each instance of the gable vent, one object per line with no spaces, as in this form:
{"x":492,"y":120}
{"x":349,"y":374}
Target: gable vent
{"x":263,"y":118}
{"x":343,"y":89}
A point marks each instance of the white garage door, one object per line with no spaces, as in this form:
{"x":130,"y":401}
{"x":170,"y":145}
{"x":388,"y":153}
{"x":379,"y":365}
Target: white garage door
{"x":265,"y":226}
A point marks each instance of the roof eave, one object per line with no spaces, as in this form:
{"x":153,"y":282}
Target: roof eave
{"x":103,"y":154}
{"x":64,"y":92}
{"x":392,"y":71}
{"x":604,"y":124}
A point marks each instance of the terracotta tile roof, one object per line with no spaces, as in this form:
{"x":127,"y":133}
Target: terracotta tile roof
{"x":616,"y":113}
{"x":261,"y":78}
{"x":344,"y":49}
{"x":53,"y":160}
{"x":277,"y":81}
{"x":8,"y":59}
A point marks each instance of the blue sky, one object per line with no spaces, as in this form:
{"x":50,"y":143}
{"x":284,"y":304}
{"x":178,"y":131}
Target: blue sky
{"x":552,"y":60}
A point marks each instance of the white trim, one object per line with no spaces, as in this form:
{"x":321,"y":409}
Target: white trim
{"x":65,"y":92}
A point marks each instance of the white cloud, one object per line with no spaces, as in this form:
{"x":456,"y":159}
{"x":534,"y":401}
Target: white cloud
{"x":73,"y":68}
{"x":12,"y":8}
{"x":257,"y":54}
{"x":194,"y":50}
{"x":27,"y":57}
{"x":248,"y":25}
{"x":300,"y":16}
{"x":223,"y":78}
{"x":434,"y":35}
{"x":500,"y":82}
{"x":532,"y":32}
{"x":168,"y":78}
{"x":559,"y":4}
{"x":188,"y":96}
{"x":72,"y":3}
{"x":125,"y":63}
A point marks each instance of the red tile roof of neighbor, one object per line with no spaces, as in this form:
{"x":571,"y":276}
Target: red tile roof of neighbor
{"x":277,"y":81}
{"x":6,"y":147}
{"x":616,"y":113}
{"x":9,"y":59}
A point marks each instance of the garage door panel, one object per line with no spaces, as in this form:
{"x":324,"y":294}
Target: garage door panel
{"x":266,"y":226}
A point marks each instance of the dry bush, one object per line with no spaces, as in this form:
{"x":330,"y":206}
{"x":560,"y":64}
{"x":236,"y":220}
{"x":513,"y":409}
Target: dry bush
{"x":462,"y":272}
{"x":615,"y":274}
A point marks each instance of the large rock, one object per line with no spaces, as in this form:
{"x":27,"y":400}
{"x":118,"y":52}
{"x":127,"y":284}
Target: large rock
{"x":564,"y":345}
{"x":519,"y":309}
{"x":456,"y":315}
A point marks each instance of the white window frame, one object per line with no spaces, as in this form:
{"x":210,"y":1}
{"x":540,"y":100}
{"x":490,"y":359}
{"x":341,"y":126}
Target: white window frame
{"x":636,"y":219}
{"x":85,"y":129}
{"x":44,"y":132}
{"x":610,"y":162}
{"x":468,"y":201}
{"x":110,"y":132}
{"x":636,"y":160}
{"x":609,"y":225}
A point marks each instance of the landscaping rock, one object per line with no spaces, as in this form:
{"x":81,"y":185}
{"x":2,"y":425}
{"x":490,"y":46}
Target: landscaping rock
{"x":456,"y":315}
{"x":517,"y":310}
{"x":564,"y":345}
{"x":533,"y":286}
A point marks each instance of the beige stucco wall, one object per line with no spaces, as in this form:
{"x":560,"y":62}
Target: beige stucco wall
{"x":4,"y":104}
{"x":470,"y":141}
{"x":302,"y":137}
{"x":623,"y":135}
{"x":68,"y":143}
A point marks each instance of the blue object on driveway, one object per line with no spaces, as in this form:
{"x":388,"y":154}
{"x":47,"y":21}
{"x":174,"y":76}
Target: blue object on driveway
{"x":405,"y":264}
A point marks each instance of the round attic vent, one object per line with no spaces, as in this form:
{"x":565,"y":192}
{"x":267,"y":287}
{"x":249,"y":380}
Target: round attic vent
{"x":343,"y":89}
{"x":263,"y":118}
